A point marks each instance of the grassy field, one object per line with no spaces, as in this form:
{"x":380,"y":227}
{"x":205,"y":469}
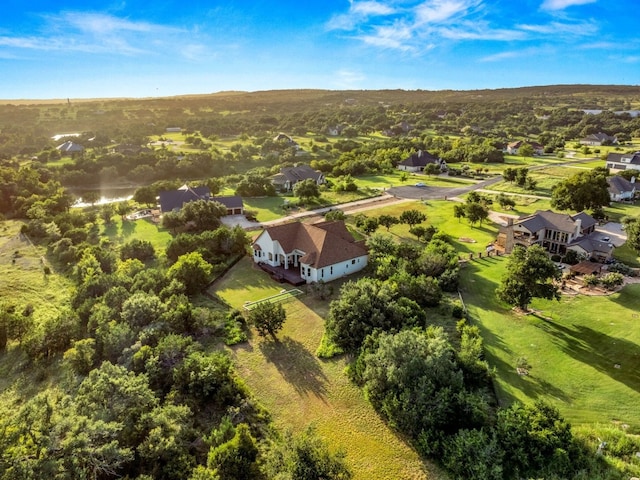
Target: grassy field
{"x":120,"y":231}
{"x":464,"y":237}
{"x":584,"y":351}
{"x":22,"y":278}
{"x":299,"y":389}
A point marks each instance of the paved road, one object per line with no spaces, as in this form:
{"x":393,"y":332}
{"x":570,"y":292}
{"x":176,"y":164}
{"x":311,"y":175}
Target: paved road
{"x":391,"y":196}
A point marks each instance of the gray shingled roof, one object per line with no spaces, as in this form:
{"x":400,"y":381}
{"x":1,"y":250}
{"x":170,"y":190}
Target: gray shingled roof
{"x":419,"y":159}
{"x":625,"y":158}
{"x":618,"y":184}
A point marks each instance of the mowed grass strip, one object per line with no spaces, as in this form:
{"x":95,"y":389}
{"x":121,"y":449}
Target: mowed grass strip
{"x":299,"y":389}
{"x":584,"y":351}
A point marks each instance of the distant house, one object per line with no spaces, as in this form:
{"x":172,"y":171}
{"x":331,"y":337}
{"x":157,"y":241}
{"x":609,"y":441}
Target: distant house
{"x":514,"y":147}
{"x":556,"y":233}
{"x":173,"y":130}
{"x":619,"y":162}
{"x":173,"y":200}
{"x":336,"y":130}
{"x":418,"y":161}
{"x":70,"y":148}
{"x":313,"y":253}
{"x":598,"y":139}
{"x":289,"y":176}
{"x":621,"y":189}
{"x":283,"y":138}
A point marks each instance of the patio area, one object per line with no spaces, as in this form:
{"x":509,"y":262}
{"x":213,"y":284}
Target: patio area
{"x":281,"y":274}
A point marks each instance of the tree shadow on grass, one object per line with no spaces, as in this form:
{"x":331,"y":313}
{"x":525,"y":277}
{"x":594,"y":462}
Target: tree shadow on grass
{"x":297,"y":365}
{"x":614,"y":356}
{"x":532,"y":386}
{"x":128,"y":227}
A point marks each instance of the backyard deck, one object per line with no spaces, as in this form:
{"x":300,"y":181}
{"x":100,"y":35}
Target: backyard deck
{"x":283,"y":275}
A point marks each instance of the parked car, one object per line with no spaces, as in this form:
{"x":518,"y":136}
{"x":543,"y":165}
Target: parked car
{"x":420,"y":184}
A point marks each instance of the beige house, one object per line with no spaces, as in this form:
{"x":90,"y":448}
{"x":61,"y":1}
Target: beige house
{"x":556,"y":233}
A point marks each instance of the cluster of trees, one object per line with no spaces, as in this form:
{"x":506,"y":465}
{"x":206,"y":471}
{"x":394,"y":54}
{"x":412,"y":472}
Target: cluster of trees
{"x":520,"y":176}
{"x":143,"y":397}
{"x":586,"y":190}
{"x":475,"y":208}
{"x":198,"y":216}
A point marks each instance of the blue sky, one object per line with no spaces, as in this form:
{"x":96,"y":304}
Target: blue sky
{"x":123,"y":48}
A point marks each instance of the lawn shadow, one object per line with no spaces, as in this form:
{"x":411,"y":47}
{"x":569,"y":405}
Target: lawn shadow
{"x":532,"y":386}
{"x":614,"y":356}
{"x":128,"y":227}
{"x":297,"y":365}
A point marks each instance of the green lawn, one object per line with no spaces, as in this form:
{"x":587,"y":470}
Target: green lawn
{"x":572,"y":346}
{"x":299,"y":389}
{"x":120,"y":231}
{"x":23,"y":280}
{"x":440,"y":214}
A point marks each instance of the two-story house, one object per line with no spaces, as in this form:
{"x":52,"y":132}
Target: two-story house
{"x":619,"y":162}
{"x":556,"y":233}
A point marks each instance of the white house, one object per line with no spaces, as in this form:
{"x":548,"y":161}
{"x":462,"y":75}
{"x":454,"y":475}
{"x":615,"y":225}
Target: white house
{"x":621,"y":189}
{"x":320,"y":252}
{"x":617,"y":162}
{"x":289,"y":176}
{"x":598,"y":139}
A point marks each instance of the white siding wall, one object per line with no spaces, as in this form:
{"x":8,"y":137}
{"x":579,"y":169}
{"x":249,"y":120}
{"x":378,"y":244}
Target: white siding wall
{"x":333,"y":272}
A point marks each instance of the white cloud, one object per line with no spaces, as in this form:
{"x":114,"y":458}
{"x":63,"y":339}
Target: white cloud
{"x":581,"y":29}
{"x":359,"y":12}
{"x":348,"y":79}
{"x":562,"y":4}
{"x":438,"y":11}
{"x":100,"y":33}
{"x":511,"y":54}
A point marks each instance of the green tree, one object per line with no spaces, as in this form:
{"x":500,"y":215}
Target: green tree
{"x":526,"y":150}
{"x":388,"y":221}
{"x":505,"y":201}
{"x":581,"y":191}
{"x":106,"y":213}
{"x":268,"y":318}
{"x":476,"y":212}
{"x":137,"y":249}
{"x":459,"y":211}
{"x":236,"y":459}
{"x":412,"y":217}
{"x":192,"y":271}
{"x":530,"y":274}
{"x":306,"y":190}
{"x":509,"y":174}
{"x":202,"y":215}
{"x":145,"y":195}
{"x":303,"y":457}
{"x":632,"y":229}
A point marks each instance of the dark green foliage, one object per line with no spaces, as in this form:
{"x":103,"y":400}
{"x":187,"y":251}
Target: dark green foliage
{"x":303,"y":457}
{"x":267,"y":318}
{"x":412,"y":217}
{"x":530,"y":274}
{"x":582,"y":191}
{"x":192,"y":271}
{"x":366,"y":306}
{"x":236,"y":459}
{"x":139,"y":249}
{"x":306,"y":190}
{"x":413,"y":379}
{"x":632,"y":229}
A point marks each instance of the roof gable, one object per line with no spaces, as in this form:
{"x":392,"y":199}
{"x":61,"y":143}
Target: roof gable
{"x":175,"y":199}
{"x":618,"y":185}
{"x":420,"y":159}
{"x":323,"y":244}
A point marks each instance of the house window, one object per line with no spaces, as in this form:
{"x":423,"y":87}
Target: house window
{"x":331,"y":270}
{"x":270,"y":256}
{"x":322,"y":273}
{"x":308,"y":271}
{"x":353,"y":262}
